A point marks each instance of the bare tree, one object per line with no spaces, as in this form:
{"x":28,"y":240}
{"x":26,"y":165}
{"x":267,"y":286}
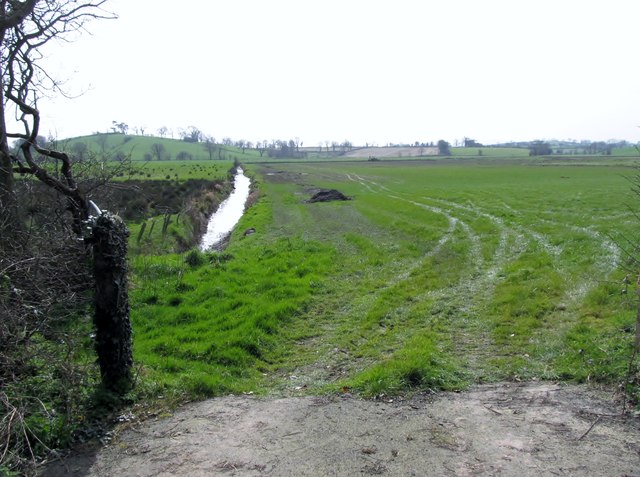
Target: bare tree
{"x":103,"y":141}
{"x":191,"y":134}
{"x":262,"y":146}
{"x":119,"y":127}
{"x":242,"y":144}
{"x":158,"y":150}
{"x":80,"y":150}
{"x":25,"y":26}
{"x":210,"y":146}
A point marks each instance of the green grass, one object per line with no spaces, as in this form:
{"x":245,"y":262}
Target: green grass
{"x":422,"y":363}
{"x":179,"y":170}
{"x":432,"y":277}
{"x":210,"y":323}
{"x":147,"y":237}
{"x":136,"y":147}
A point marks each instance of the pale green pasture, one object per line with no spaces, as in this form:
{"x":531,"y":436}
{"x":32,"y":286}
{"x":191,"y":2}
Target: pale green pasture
{"x":135,"y":147}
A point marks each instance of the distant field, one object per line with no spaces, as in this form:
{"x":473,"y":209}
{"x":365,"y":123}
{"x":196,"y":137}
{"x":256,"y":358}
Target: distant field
{"x":380,"y":152}
{"x":633,"y":151}
{"x":489,"y":151}
{"x":431,"y":277}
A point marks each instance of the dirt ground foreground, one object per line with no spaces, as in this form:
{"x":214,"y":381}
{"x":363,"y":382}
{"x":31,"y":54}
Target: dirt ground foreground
{"x":512,"y":429}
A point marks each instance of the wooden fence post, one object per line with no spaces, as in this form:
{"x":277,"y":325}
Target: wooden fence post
{"x":111,"y":317}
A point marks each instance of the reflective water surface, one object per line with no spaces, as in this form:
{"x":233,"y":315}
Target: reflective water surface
{"x":228,"y":214}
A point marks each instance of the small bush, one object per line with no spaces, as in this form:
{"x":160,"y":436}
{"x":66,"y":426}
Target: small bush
{"x":194,"y":258}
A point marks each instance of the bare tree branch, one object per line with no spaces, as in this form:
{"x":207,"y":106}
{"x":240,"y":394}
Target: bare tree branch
{"x":26,"y":26}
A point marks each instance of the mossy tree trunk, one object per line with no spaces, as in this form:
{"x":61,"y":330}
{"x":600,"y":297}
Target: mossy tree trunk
{"x":111,"y":318}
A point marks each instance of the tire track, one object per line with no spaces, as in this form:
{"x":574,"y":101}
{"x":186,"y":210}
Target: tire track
{"x":461,"y":303}
{"x":335,"y":363}
{"x":605,"y":263}
{"x":482,"y":276}
{"x":465,"y":307}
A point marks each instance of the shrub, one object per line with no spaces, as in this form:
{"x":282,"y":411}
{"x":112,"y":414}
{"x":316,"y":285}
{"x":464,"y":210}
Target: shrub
{"x":194,"y":258}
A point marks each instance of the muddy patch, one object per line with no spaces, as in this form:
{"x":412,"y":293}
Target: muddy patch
{"x":282,"y":177}
{"x":534,"y":429}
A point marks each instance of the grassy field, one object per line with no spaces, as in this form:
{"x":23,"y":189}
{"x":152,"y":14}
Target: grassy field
{"x":180,"y":170}
{"x":136,"y":147}
{"x":432,"y":277}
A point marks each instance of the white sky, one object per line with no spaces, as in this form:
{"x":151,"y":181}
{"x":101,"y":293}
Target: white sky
{"x":367,"y":71}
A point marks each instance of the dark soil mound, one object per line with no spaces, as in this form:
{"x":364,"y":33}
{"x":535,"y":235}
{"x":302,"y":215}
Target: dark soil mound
{"x":327,"y":195}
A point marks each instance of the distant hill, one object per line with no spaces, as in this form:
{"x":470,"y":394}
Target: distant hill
{"x":140,"y":148}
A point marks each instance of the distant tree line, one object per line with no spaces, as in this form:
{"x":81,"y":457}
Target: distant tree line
{"x":539,"y":148}
{"x":599,"y":148}
{"x":544,"y":148}
{"x":291,"y":148}
{"x":468,"y":142}
{"x":280,"y":148}
{"x":274,"y":148}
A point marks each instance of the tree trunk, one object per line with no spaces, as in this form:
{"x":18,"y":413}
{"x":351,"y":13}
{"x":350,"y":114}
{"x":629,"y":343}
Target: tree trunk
{"x":111,"y":319}
{"x":8,"y":210}
{"x":8,"y":204}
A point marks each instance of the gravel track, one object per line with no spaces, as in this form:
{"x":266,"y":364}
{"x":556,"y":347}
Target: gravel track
{"x":507,"y":429}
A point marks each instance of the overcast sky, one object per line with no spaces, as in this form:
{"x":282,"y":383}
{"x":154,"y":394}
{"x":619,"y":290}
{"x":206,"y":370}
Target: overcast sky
{"x":365,"y":71}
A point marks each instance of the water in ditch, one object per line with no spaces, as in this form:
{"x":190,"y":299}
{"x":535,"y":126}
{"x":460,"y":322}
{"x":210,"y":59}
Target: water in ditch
{"x":222,"y":222}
